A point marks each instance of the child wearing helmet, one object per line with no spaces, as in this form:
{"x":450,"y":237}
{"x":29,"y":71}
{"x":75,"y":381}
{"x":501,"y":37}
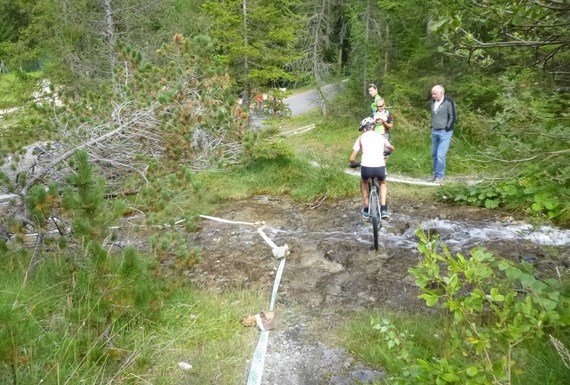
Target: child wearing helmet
{"x":371,"y":144}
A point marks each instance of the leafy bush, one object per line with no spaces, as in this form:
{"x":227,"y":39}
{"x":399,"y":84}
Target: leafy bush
{"x":495,"y":306}
{"x":540,"y":197}
{"x":495,"y":322}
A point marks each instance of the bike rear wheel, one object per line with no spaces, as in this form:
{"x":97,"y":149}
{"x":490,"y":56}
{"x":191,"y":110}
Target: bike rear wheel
{"x":374,"y":214}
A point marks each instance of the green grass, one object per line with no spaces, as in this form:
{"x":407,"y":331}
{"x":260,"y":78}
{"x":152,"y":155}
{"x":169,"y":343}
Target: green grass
{"x":298,"y":177}
{"x":426,"y":332}
{"x":334,"y":138}
{"x":53,"y":327}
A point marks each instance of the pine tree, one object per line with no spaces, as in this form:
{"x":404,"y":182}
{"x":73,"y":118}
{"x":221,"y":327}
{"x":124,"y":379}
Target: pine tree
{"x":84,"y":200}
{"x":257,"y":39}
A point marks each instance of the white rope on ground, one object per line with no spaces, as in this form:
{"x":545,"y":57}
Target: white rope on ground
{"x":299,"y":130}
{"x":410,"y":181}
{"x":258,"y":360}
{"x":278,"y":252}
{"x":416,"y":182}
{"x":276,"y":284}
{"x":398,"y":180}
{"x":227,"y":221}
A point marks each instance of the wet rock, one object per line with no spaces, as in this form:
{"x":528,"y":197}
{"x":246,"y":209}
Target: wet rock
{"x":366,"y":376}
{"x":532,"y":259}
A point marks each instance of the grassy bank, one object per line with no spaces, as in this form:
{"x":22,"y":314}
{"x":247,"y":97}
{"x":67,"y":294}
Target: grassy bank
{"x":122,"y":321}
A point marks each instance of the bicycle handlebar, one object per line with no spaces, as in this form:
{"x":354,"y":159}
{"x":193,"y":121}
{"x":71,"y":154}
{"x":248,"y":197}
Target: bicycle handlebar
{"x":354,"y":164}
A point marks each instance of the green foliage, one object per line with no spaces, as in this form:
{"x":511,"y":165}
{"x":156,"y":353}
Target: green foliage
{"x":85,"y":203}
{"x":16,"y":90}
{"x":496,"y":305}
{"x":536,"y":192}
{"x":494,"y":324}
{"x":265,"y":145}
{"x":497,"y":33}
{"x":22,"y":123}
{"x":260,"y":48}
{"x":41,"y":202}
{"x":66,"y":39}
{"x":169,"y":198}
{"x":169,"y":244}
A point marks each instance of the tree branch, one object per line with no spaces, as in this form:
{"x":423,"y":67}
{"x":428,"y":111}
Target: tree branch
{"x":516,"y":44}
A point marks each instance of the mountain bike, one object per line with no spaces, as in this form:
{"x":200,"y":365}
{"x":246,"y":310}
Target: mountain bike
{"x":373,"y":205}
{"x":374,"y":208}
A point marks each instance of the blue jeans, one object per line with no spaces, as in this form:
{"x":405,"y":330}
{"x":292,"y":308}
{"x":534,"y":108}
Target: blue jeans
{"x":440,"y":141}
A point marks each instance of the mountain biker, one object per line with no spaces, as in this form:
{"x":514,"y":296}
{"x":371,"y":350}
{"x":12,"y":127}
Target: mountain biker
{"x":371,"y":144}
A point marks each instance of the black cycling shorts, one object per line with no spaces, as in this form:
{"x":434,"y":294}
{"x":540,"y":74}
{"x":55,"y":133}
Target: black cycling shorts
{"x":370,"y":172}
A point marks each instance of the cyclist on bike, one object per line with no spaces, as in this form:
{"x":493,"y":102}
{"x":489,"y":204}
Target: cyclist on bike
{"x":371,"y":144}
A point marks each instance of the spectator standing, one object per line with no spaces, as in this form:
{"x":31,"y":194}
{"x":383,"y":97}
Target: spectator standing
{"x":383,"y":118}
{"x":373,"y":92}
{"x":442,"y":119}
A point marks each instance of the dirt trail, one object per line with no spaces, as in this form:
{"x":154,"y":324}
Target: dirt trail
{"x":333,"y":271}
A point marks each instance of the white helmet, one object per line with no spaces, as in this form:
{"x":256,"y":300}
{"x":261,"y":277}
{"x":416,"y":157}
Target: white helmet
{"x":365,"y":123}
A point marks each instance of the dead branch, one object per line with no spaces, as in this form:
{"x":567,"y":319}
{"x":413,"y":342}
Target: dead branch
{"x":119,"y":148}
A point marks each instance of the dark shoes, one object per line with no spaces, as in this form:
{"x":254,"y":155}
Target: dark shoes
{"x":436,"y":180}
{"x":384,"y":213}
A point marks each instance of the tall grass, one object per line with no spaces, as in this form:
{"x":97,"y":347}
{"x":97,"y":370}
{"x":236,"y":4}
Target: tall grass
{"x":303,"y":178}
{"x":118,"y":323}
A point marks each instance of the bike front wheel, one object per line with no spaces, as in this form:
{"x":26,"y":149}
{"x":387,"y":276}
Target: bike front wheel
{"x":374,"y":217}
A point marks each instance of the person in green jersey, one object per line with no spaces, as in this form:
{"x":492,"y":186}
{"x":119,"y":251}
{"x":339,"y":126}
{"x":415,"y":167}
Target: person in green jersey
{"x":373,"y":92}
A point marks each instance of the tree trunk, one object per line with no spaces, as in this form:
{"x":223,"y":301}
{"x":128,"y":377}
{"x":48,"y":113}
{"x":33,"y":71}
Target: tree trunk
{"x":110,"y":33}
{"x":246,"y":85}
{"x":365,"y":46}
{"x":386,"y":40}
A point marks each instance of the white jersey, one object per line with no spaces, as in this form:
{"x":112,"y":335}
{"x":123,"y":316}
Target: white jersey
{"x":371,"y":144}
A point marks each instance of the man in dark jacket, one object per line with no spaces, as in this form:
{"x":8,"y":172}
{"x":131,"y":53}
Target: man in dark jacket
{"x":442,"y":119}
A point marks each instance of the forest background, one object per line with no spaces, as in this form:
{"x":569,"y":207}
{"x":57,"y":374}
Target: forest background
{"x":161,"y":78}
